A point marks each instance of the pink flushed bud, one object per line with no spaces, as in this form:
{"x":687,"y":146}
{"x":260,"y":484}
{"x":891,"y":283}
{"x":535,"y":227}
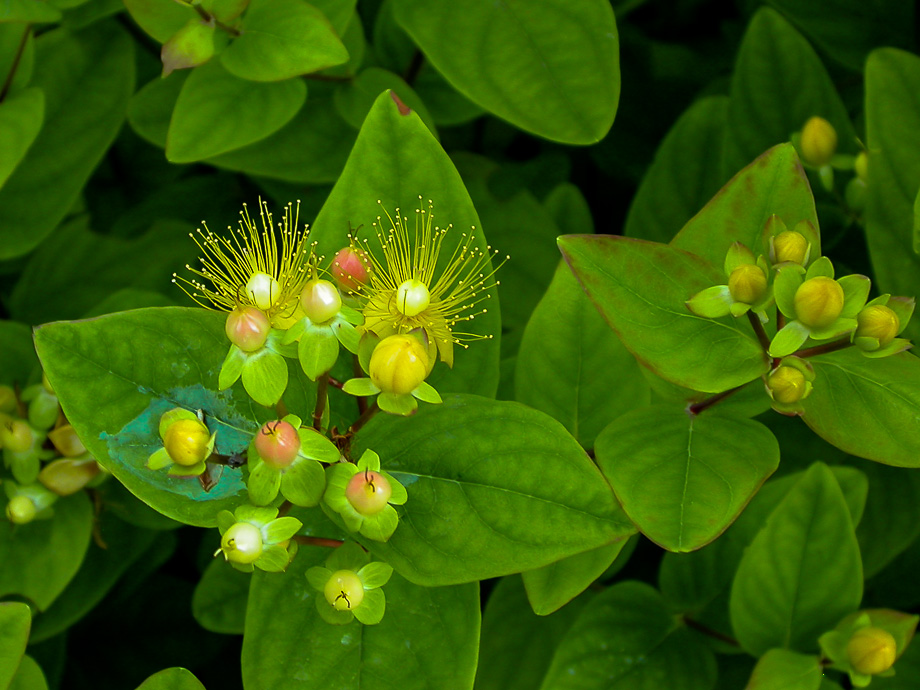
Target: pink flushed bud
{"x":368,"y":492}
{"x":351,"y":268}
{"x":278,"y":443}
{"x":247,"y":328}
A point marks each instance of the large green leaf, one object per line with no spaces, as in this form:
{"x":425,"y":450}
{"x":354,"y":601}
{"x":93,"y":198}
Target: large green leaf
{"x":684,"y":175}
{"x":774,"y":183}
{"x":116,"y":375}
{"x":518,"y":645}
{"x":867,"y":407}
{"x":219,"y":602}
{"x":281,"y":39}
{"x":640,"y":288}
{"x":572,"y":366}
{"x":494,"y":488}
{"x":21,"y":117}
{"x":159,"y":18}
{"x":893,"y":132}
{"x":218,"y":112}
{"x":428,"y":638}
{"x":627,"y":640}
{"x":683,"y":479}
{"x":74,"y":252}
{"x":172,"y":679}
{"x":87,"y":79}
{"x":17,"y":354}
{"x":29,"y":676}
{"x":802,"y":573}
{"x":550,"y":67}
{"x":848,"y":29}
{"x":43,"y":556}
{"x":395,"y":161}
{"x":780,"y":669}
{"x":778,"y":83}
{"x":354,"y":99}
{"x":15,"y":620}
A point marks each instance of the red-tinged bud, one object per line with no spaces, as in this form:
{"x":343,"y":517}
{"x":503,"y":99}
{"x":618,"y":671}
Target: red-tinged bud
{"x":344,"y":590}
{"x":818,"y":302}
{"x":368,"y":492}
{"x":247,"y":328}
{"x":190,"y":46}
{"x":278,"y":443}
{"x":320,"y":300}
{"x":351,"y":268}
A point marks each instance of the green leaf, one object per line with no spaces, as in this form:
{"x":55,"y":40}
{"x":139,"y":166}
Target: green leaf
{"x":281,"y":39}
{"x":392,"y":141}
{"x":517,"y":645}
{"x":29,"y":676}
{"x":311,"y":148}
{"x":893,"y":138}
{"x":867,"y":407}
{"x":553,"y":586}
{"x":640,"y":288}
{"x":338,"y":12}
{"x":548,"y":66}
{"x":428,"y":638}
{"x":15,"y":620}
{"x":219,"y":602}
{"x":87,"y":79}
{"x":776,"y":65}
{"x":774,"y":183}
{"x":848,"y":29}
{"x":74,"y":251}
{"x":32,"y":11}
{"x":355,"y":99}
{"x":265,"y":376}
{"x":46,"y":553}
{"x":317,"y":351}
{"x":172,"y":679}
{"x":303,"y":483}
{"x":218,"y":112}
{"x":780,"y":669}
{"x":116,"y":375}
{"x":802,"y":573}
{"x":99,"y":572}
{"x":684,"y":175}
{"x":683,"y":479}
{"x":494,"y":488}
{"x":160,"y":18}
{"x":627,"y":639}
{"x":572,"y":366}
{"x":151,"y":108}
{"x":17,"y":354}
{"x":21,"y":117}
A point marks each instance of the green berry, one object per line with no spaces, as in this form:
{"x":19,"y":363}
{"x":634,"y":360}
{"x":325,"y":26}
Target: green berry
{"x":242,"y":543}
{"x":344,"y":591}
{"x":368,"y":492}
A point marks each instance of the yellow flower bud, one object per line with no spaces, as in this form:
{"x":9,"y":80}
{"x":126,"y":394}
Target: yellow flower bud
{"x":66,"y":476}
{"x":186,"y":441}
{"x":747,"y":283}
{"x":399,"y":364}
{"x":412,"y":297}
{"x":21,"y":510}
{"x":790,"y":246}
{"x":877,"y":321}
{"x":67,"y":442}
{"x":344,"y":590}
{"x":871,"y":650}
{"x":818,"y":302}
{"x":787,"y":384}
{"x":861,"y":166}
{"x":819,"y":142}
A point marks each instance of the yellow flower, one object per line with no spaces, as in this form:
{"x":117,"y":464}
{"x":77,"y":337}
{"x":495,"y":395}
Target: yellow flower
{"x":253,"y":267}
{"x":406,"y":291}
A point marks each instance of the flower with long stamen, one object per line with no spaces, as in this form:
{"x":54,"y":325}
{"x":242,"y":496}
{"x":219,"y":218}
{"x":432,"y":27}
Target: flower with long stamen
{"x":262,"y":268}
{"x":407,"y":291}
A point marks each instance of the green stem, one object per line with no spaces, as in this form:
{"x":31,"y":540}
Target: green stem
{"x":211,"y":18}
{"x":703,"y":405}
{"x":322,"y":385}
{"x":415,"y":66}
{"x":363,"y":419}
{"x":709,"y":632}
{"x":841,"y":344}
{"x":759,"y":331}
{"x":12,"y":73}
{"x":356,"y":368}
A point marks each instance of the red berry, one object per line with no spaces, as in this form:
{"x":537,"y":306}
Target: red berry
{"x":278,"y":443}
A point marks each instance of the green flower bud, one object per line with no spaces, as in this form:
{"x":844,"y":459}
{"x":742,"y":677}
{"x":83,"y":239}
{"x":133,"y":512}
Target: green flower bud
{"x":186,"y":441}
{"x":871,"y":650}
{"x":190,"y":46}
{"x":351,"y":268}
{"x":278,"y":443}
{"x":786,"y":384}
{"x":790,"y":246}
{"x":747,"y":283}
{"x":67,"y":442}
{"x":247,"y":328}
{"x":818,"y":302}
{"x":16,"y":435}
{"x":399,"y":364}
{"x":344,"y":591}
{"x":412,"y":297}
{"x":263,"y":290}
{"x":861,"y":166}
{"x":368,"y":492}
{"x":819,"y":142}
{"x":242,"y":543}
{"x":877,"y":321}
{"x":21,"y":510}
{"x":66,"y":476}
{"x":320,"y":300}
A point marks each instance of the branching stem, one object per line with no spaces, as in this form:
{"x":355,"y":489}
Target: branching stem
{"x":363,"y":419}
{"x":709,"y":632}
{"x":322,"y":385}
{"x":318,"y":541}
{"x":759,"y":331}
{"x":703,"y":405}
{"x":841,"y":344}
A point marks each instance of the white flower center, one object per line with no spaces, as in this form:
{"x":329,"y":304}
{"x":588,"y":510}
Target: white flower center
{"x":412,"y":297}
{"x":263,"y":290}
